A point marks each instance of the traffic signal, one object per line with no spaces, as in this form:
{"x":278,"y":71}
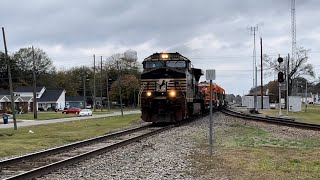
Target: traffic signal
{"x":280,"y":77}
{"x":280,"y":59}
{"x":110,"y":82}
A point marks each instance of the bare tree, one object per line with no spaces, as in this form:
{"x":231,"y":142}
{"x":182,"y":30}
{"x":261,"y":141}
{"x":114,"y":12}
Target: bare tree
{"x":298,"y":67}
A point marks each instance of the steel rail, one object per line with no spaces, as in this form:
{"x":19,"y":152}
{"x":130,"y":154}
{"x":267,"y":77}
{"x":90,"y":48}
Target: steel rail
{"x":63,"y":163}
{"x":58,"y":164}
{"x":274,"y":120}
{"x":53,"y":151}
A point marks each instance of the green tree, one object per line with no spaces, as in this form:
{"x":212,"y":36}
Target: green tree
{"x":129,"y":80}
{"x":15,"y":74}
{"x":129,"y":85}
{"x":24,"y":62}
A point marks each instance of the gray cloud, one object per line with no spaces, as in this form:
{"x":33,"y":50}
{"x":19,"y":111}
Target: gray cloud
{"x":209,"y":32}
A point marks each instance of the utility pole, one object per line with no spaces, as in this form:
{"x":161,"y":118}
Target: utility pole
{"x":254,"y":29}
{"x":10,"y":81}
{"x":280,"y":99}
{"x":94,"y":82}
{"x":84,"y":92}
{"x":35,"y":110}
{"x":108,"y":90}
{"x":119,"y":84}
{"x":134,"y":97}
{"x":101,"y":83}
{"x":287,"y":75}
{"x":305,"y":99}
{"x":261,"y":74}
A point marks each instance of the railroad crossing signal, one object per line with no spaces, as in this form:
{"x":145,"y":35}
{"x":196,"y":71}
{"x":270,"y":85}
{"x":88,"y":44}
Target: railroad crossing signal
{"x":280,"y":77}
{"x":280,"y":74}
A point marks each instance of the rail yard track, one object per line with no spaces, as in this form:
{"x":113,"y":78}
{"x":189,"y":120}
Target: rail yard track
{"x":273,"y":120}
{"x":34,"y":165}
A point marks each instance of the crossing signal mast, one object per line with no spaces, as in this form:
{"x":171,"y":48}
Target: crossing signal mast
{"x":280,"y":80}
{"x":280,"y":73}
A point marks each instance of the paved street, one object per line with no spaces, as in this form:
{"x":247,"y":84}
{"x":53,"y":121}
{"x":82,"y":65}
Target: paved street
{"x":39,"y":122}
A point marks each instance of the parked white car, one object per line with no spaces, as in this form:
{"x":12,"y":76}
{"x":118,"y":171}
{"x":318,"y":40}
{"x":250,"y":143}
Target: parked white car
{"x":85,"y":112}
{"x":273,"y":106}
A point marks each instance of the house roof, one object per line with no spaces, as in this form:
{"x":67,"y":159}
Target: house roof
{"x":51,"y":95}
{"x":304,"y":94}
{"x":15,"y":98}
{"x":4,"y":92}
{"x":99,"y":98}
{"x":4,"y":98}
{"x":27,"y":98}
{"x":27,"y":89}
{"x":74,"y":98}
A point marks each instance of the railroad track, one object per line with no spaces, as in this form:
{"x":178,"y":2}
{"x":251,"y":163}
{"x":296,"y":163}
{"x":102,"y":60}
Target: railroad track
{"x":34,"y":165}
{"x":274,"y":120}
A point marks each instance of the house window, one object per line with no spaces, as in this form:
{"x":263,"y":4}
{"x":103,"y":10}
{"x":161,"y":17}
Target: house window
{"x":1,"y":107}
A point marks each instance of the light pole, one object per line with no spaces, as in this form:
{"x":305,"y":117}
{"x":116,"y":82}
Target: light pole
{"x":119,"y":84}
{"x":84,"y":79}
{"x":305,"y":94}
{"x":305,"y":100}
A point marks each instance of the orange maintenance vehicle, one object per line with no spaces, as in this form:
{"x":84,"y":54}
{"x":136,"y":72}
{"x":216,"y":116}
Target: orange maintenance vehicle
{"x":218,"y":94}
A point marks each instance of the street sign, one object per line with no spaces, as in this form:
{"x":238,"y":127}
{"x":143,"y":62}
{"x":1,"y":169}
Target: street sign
{"x":210,"y":74}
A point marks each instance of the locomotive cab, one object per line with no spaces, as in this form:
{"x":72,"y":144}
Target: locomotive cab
{"x":169,"y":88}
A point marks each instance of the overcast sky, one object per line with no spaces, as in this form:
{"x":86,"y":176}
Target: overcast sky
{"x":214,"y":34}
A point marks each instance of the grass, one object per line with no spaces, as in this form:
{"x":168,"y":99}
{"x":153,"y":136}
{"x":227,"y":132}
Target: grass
{"x":45,"y":136}
{"x":45,"y":115}
{"x":311,"y":116}
{"x":252,"y":153}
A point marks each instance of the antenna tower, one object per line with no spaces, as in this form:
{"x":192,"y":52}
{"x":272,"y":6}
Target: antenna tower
{"x":293,"y":29}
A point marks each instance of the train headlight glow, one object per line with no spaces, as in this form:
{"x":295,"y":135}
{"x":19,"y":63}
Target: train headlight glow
{"x":172,"y":93}
{"x":164,"y":56}
{"x":149,"y":93}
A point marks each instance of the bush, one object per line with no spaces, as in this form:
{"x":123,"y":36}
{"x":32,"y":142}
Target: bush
{"x":8,"y":110}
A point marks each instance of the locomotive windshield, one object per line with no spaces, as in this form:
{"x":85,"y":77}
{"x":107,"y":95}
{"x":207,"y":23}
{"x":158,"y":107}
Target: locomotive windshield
{"x":178,"y":64}
{"x":153,"y":64}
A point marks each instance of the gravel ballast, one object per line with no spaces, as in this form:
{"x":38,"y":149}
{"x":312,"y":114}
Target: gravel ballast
{"x":163,"y":156}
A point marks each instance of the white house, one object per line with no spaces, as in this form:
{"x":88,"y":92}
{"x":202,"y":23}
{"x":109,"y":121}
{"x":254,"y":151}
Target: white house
{"x":47,"y":98}
{"x":28,"y":91}
{"x":52,"y":99}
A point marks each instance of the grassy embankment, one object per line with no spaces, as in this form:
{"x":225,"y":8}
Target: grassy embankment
{"x":311,"y":116}
{"x":244,"y":152}
{"x":49,"y":135}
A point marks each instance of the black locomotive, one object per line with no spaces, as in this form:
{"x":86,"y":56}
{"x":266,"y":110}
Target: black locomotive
{"x":169,"y":88}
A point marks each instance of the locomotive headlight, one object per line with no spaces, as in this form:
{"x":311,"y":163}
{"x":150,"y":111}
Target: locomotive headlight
{"x":172,"y":93}
{"x":164,"y":56}
{"x":148,"y":93}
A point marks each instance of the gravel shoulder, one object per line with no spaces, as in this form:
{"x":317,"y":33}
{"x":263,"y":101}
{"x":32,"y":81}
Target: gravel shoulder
{"x":163,"y":156}
{"x":243,"y":150}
